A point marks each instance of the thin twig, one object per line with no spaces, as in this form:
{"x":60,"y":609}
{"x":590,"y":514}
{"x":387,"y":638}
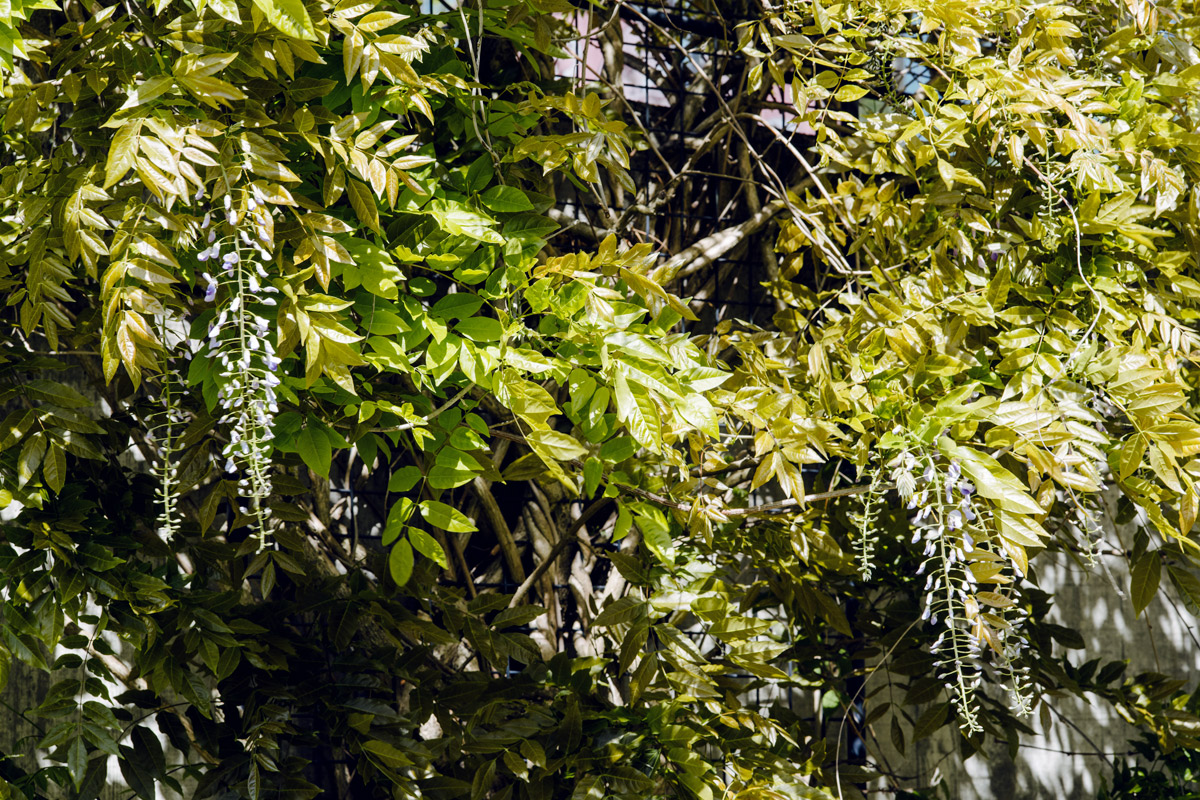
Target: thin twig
{"x":436,"y":413}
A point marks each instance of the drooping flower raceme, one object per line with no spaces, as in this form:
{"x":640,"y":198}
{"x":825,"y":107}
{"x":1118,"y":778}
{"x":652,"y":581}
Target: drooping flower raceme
{"x":953,"y":528}
{"x":169,"y":423}
{"x":241,"y":341}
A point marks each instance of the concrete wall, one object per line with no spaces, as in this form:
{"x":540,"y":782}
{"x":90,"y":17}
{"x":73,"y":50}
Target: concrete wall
{"x":1077,"y":743}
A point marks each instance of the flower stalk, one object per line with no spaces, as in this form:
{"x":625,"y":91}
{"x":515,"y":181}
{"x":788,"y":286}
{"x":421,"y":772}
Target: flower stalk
{"x":241,"y":341}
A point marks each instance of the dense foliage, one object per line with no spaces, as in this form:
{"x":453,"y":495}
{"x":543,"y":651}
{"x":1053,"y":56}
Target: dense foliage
{"x":285,"y":278}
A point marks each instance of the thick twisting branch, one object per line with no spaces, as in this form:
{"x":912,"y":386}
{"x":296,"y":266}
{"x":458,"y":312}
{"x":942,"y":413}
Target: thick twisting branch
{"x":556,"y":551}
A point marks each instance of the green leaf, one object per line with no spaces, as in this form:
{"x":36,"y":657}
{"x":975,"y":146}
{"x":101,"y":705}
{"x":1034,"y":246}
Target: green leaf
{"x":315,"y":448}
{"x":933,"y":718}
{"x":54,"y":468}
{"x":134,"y":770}
{"x":849,"y":93}
{"x":516,"y":617}
{"x":446,"y":477}
{"x":637,"y":410}
{"x":480,"y":329}
{"x":593,"y":471}
{"x":897,"y":735}
{"x":484,"y":777}
{"x":656,"y":534}
{"x":696,"y":785}
{"x":391,"y":755}
{"x":363,"y":203}
{"x":289,"y":16}
{"x":506,"y":199}
{"x":427,"y":546}
{"x":122,"y":152}
{"x":77,"y":760}
{"x":459,"y":220}
{"x":480,"y":173}
{"x":149,"y":749}
{"x":227,"y":9}
{"x":445,"y":517}
{"x":31,"y":456}
{"x":1186,"y":583}
{"x":56,"y":394}
{"x":621,"y":611}
{"x":623,"y":524}
{"x":590,"y":787}
{"x":459,"y":305}
{"x":991,"y":479}
{"x":467,"y":439}
{"x":400,"y":562}
{"x":554,"y":445}
{"x":1144,"y":579}
{"x":253,"y":787}
{"x":404,"y":479}
{"x":618,"y":449}
{"x":1131,"y":454}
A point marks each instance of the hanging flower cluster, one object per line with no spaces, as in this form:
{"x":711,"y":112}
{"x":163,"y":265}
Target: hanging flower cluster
{"x":953,"y":527}
{"x":865,"y":520}
{"x":240,"y":340}
{"x":169,"y":424}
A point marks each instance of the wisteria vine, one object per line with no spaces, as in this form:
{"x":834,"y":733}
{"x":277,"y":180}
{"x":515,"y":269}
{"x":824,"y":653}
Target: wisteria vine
{"x":240,"y":340}
{"x":169,"y":421}
{"x":953,"y":528}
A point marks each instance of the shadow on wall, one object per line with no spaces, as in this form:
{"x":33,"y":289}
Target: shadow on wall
{"x":18,"y":734}
{"x":1078,"y":739}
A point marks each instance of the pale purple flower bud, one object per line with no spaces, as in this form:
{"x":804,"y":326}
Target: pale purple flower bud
{"x":210,"y":292}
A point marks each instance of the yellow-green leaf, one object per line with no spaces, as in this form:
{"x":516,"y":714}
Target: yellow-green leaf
{"x":122,"y":153}
{"x":288,"y":16}
{"x":1144,"y":579}
{"x":445,"y":517}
